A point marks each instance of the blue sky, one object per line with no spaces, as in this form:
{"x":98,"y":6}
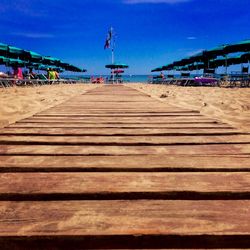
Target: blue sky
{"x":150,"y":33}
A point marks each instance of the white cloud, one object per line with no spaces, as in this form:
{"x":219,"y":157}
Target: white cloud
{"x":32,"y":35}
{"x":155,"y":1}
{"x":191,"y":38}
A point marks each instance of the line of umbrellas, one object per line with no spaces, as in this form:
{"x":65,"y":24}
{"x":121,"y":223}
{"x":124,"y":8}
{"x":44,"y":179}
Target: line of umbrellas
{"x":210,"y":58}
{"x":17,"y":57}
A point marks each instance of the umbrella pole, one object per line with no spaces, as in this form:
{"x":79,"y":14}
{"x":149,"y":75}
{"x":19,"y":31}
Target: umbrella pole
{"x":226,"y":63}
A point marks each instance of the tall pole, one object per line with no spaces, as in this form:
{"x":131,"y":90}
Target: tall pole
{"x":112,"y":52}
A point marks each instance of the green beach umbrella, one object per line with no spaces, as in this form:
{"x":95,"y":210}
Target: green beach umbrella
{"x":33,"y":56}
{"x":50,"y":60}
{"x":14,"y":52}
{"x":117,"y":66}
{"x":3,"y":49}
{"x":243,"y":46}
{"x":217,"y":51}
{"x":199,"y":57}
{"x":168,"y":67}
{"x":42,"y":67}
{"x":16,"y":62}
{"x":245,"y":57}
{"x":3,"y":60}
{"x":157,"y":69}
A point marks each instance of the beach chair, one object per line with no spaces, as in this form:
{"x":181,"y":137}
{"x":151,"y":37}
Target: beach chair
{"x":239,"y":78}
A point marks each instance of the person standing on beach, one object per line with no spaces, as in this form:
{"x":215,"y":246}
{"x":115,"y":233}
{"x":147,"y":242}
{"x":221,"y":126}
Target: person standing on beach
{"x":51,"y":74}
{"x":17,"y":73}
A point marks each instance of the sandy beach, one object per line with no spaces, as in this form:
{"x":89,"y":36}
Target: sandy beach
{"x":18,"y":103}
{"x":228,"y":105}
{"x":225,"y":104}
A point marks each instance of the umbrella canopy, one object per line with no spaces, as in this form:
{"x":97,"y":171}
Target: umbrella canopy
{"x":33,"y":56}
{"x":199,"y":57}
{"x":157,"y":69}
{"x":227,"y":61}
{"x":217,"y":51}
{"x":14,"y":52}
{"x":117,"y":66}
{"x":168,"y":67}
{"x":245,"y":57}
{"x":16,"y":63}
{"x":50,"y":60}
{"x":243,"y":46}
{"x":186,"y":68}
{"x":3,"y":49}
{"x":3,"y":60}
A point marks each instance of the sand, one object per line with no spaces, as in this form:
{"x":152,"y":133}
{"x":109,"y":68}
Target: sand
{"x":230,"y":105}
{"x":21,"y":102}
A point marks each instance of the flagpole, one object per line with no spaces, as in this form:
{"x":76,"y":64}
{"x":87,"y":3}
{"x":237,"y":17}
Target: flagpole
{"x":112,"y":54}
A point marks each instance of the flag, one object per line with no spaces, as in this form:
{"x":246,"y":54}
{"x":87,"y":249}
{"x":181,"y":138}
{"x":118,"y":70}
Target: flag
{"x":108,"y":39}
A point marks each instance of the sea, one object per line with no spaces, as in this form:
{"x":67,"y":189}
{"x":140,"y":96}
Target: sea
{"x":126,"y":78}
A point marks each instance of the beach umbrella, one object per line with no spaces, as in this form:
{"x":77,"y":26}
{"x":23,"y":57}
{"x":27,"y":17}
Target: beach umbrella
{"x":14,"y":52}
{"x":157,"y":69}
{"x":31,"y":56}
{"x":243,"y":46}
{"x":48,"y":60}
{"x":184,"y":68}
{"x":213,"y":53}
{"x":3,"y":60}
{"x":168,"y":67}
{"x":245,"y":57}
{"x":235,"y":60}
{"x":199,"y":57}
{"x":42,"y":67}
{"x":3,"y":49}
{"x":117,"y":66}
{"x":16,"y":63}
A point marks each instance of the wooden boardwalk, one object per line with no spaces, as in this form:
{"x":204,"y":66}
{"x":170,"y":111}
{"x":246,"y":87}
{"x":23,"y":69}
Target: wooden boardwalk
{"x":117,"y":169}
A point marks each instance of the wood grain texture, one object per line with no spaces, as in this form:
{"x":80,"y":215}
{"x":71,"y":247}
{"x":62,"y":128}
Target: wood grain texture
{"x":125,"y":140}
{"x":117,"y":169}
{"x":124,"y":185}
{"x":124,"y":218}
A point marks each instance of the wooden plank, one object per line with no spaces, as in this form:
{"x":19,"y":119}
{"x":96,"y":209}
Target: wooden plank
{"x":163,"y":119}
{"x":220,"y":149}
{"x":117,"y":132}
{"x":54,"y":186}
{"x":148,"y":114}
{"x":126,"y":140}
{"x":121,"y":120}
{"x":103,"y":125}
{"x":134,"y":163}
{"x":94,"y":223}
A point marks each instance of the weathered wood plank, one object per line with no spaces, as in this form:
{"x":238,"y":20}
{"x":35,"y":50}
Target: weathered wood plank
{"x":36,"y":186}
{"x":115,"y":114}
{"x":80,"y":125}
{"x":113,"y":218}
{"x":135,"y":163}
{"x":220,"y":149}
{"x":121,"y":120}
{"x":125,"y":140}
{"x":117,"y":132}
